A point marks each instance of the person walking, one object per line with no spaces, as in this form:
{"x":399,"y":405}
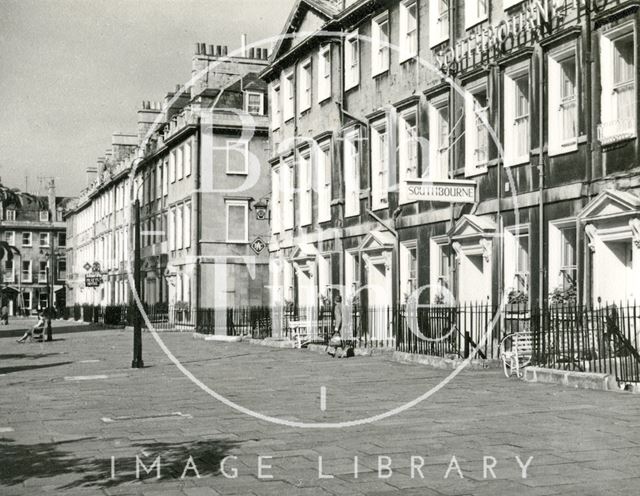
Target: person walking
{"x":336,"y":343}
{"x":4,"y":315}
{"x":30,"y":332}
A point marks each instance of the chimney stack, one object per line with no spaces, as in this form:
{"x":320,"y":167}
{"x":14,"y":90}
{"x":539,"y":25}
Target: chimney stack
{"x":91,"y":175}
{"x":52,"y":200}
{"x":243,"y":45}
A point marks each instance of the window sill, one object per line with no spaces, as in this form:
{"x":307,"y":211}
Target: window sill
{"x":408,"y":58}
{"x":379,"y":73}
{"x":474,"y":22}
{"x":304,"y":111}
{"x":326,"y":99}
{"x":563,"y":150}
{"x":612,"y":140}
{"x":434,"y":44}
{"x":475,"y":170}
{"x":349,"y":88}
{"x":516,"y":161}
{"x":288,"y":119}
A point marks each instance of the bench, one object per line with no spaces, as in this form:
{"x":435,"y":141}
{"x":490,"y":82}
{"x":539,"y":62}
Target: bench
{"x":516,"y":350}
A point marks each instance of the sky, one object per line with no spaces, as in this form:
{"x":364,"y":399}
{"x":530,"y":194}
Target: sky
{"x":72,"y":72}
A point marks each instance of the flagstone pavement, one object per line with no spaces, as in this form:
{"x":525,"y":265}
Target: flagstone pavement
{"x":76,"y":419}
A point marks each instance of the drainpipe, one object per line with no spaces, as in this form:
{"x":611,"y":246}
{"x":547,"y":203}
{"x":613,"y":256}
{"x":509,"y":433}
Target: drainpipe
{"x":197,"y":210}
{"x":584,"y":292}
{"x":541,"y":238}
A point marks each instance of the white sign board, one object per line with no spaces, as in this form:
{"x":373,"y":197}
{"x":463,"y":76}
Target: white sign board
{"x":449,"y":191}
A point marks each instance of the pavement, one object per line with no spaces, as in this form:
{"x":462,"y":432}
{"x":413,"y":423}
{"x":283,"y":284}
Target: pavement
{"x":76,"y":419}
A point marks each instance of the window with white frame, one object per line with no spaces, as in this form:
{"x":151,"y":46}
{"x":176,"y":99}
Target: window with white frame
{"x":119,"y":192}
{"x":237,"y":157}
{"x":276,"y":200}
{"x":26,"y":239}
{"x":408,"y":29}
{"x":475,"y":11}
{"x":26,"y":271}
{"x":179,"y":231}
{"x":187,"y":159}
{"x":253,"y":103}
{"x":562,"y":255}
{"x":10,"y":214}
{"x":439,"y":277}
{"x":44,"y":215}
{"x":305,"y":187}
{"x":352,"y":61}
{"x":62,"y":269}
{"x":380,"y":44}
{"x":172,"y":229}
{"x":617,"y":73}
{"x":351,"y":162}
{"x":324,"y":275}
{"x":516,"y":263}
{"x":439,"y":138}
{"x":43,"y":239}
{"x":179,"y":164}
{"x":438,"y":21}
{"x":476,"y":115}
{"x":516,"y":114}
{"x":409,"y":269}
{"x":42,"y":273}
{"x":276,"y":108}
{"x":289,"y":93}
{"x":407,"y":147}
{"x":304,"y":86}
{"x":9,"y":271}
{"x":379,"y":164}
{"x":237,"y":221}
{"x":323,"y":168}
{"x":288,"y":188}
{"x":165,"y":178}
{"x":26,"y":298}
{"x":172,"y":167}
{"x":10,"y":237}
{"x":352,"y":274}
{"x":324,"y":73}
{"x":62,"y":240}
{"x":563,"y":100}
{"x":187,"y":225}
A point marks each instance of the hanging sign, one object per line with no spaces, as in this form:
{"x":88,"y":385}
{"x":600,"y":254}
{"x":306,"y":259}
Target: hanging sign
{"x":93,"y":280}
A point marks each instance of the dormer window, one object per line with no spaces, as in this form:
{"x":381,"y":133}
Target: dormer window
{"x":10,"y":214}
{"x":253,"y":103}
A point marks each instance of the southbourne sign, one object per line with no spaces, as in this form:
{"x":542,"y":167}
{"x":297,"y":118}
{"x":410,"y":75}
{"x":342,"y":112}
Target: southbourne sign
{"x":451,"y":191}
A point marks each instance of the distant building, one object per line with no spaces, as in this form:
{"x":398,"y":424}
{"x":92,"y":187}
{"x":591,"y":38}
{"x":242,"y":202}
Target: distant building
{"x":198,"y":178}
{"x":37,"y":229}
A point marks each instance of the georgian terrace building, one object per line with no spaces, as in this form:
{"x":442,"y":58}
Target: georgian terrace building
{"x":557,"y":191}
{"x":198,"y":178}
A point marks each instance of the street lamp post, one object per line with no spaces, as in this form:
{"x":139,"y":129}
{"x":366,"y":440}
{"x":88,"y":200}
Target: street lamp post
{"x":51,"y":281}
{"x":137,"y":362}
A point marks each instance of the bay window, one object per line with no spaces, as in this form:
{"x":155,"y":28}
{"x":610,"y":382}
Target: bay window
{"x":407,"y":148}
{"x":438,"y":21}
{"x":352,"y":172}
{"x":380,"y":44}
{"x":324,"y":181}
{"x":408,"y":29}
{"x":352,"y":61}
{"x":516,"y":114}
{"x":304,"y":86}
{"x":476,"y":134}
{"x":324,"y":73}
{"x":563,"y":101}
{"x":304,"y":187}
{"x":379,"y":164}
{"x":439,"y":138}
{"x":618,"y":98}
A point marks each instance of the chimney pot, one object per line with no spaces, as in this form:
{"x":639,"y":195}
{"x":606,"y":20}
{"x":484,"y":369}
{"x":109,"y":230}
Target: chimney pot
{"x":243,"y":45}
{"x":211,"y":52}
{"x":225,"y":50}
{"x":197,"y":48}
{"x":251,"y":53}
{"x":219,"y":50}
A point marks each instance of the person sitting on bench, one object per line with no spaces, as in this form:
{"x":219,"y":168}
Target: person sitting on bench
{"x":37,"y":329}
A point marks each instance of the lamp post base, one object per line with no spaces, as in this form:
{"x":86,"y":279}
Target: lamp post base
{"x":49,"y":331}
{"x":137,"y":364}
